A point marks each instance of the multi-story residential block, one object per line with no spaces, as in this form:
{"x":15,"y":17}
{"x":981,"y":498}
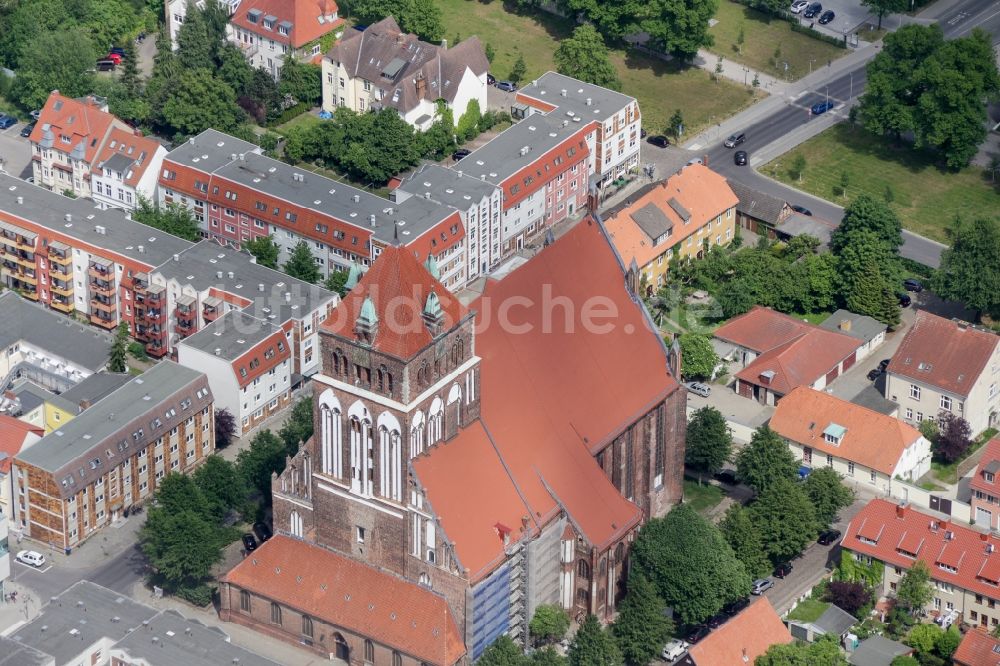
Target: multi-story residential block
{"x":383,"y":67}
{"x":80,"y":478}
{"x":985,"y":488}
{"x":111,"y":269}
{"x":503,"y":507}
{"x":946,"y":365}
{"x":964,"y":562}
{"x":126,"y":169}
{"x":176,"y":12}
{"x":269,"y":31}
{"x":15,"y":436}
{"x":37,"y":344}
{"x":614,"y":149}
{"x":682,"y":216}
{"x":862,"y":445}
{"x":248,"y":363}
{"x":237,"y":194}
{"x":71,"y":145}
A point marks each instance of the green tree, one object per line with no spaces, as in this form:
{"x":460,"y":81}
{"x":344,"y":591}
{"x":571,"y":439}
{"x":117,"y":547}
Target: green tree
{"x":57,"y":60}
{"x":502,"y":652}
{"x":175,"y":219}
{"x":824,"y":652}
{"x":222,"y":487}
{"x":302,"y":81}
{"x":550,"y":622}
{"x":178,"y":492}
{"x":641,"y":628}
{"x":337,"y":282}
{"x":423,"y":18}
{"x":798,"y":166}
{"x":904,"y":660}
{"x":130,"y":77}
{"x":547,"y":656}
{"x":198,"y":101}
{"x":264,"y":250}
{"x":914,"y":590}
{"x":742,"y":536}
{"x":468,"y":123}
{"x":869,"y":213}
{"x":593,"y":646}
{"x":519,"y":70}
{"x":490,"y":52}
{"x":924,"y":637}
{"x":785,"y":519}
{"x":182,"y":547}
{"x":698,"y":357}
{"x":264,"y":456}
{"x":867,"y":292}
{"x":195,"y":48}
{"x":828,"y":494}
{"x":679,"y":27}
{"x":692,"y":567}
{"x":948,"y":642}
{"x":882,"y":8}
{"x":970,"y":268}
{"x":585,"y":57}
{"x":765,"y":460}
{"x":301,"y":264}
{"x":709,"y":441}
{"x":676,"y":124}
{"x":225,"y":427}
{"x":298,"y":427}
{"x":118,"y":357}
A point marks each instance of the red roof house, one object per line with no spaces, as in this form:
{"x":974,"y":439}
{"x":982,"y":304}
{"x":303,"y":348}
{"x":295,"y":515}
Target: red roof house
{"x":742,"y":639}
{"x":977,"y":648}
{"x":15,"y":436}
{"x":985,"y":487}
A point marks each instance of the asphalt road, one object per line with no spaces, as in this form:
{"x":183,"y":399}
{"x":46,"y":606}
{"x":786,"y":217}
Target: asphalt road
{"x":119,"y":573}
{"x":957,"y":18}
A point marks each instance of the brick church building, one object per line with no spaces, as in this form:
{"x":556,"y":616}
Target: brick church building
{"x":469,"y":463}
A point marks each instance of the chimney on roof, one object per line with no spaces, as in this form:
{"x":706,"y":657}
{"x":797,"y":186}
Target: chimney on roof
{"x":704,"y":160}
{"x":20,"y":199}
{"x":233,"y":157}
{"x":288,"y":297}
{"x":589,"y":101}
{"x":84,"y":404}
{"x":357,"y":198}
{"x":845,"y":325}
{"x":69,"y":217}
{"x":984,"y":536}
{"x":371,"y":219}
{"x":900,"y":510}
{"x":177,"y":257}
{"x":231,"y":275}
{"x":260,"y":287}
{"x":218,"y":274}
{"x":563,"y":92}
{"x":142,"y":249}
{"x":421,"y":83}
{"x":218,"y":351}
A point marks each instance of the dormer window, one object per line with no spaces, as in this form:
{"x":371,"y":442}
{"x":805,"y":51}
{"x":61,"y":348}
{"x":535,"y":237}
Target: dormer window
{"x":268,"y":25}
{"x":833,"y":434}
{"x":988,"y":477}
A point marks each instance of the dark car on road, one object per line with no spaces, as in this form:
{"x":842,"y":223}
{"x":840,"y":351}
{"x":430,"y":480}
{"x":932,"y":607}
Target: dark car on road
{"x":249,"y":543}
{"x":717,"y":620}
{"x":740,"y":158}
{"x":658,"y":140}
{"x":913,"y":284}
{"x":105,"y":65}
{"x":905,"y":300}
{"x":819,"y":108}
{"x":735,"y":140}
{"x":734,"y":607}
{"x":783,"y":569}
{"x":727,"y":476}
{"x":801,"y":210}
{"x":812,"y":10}
{"x":262,"y":531}
{"x":826,"y":17}
{"x":490,"y":79}
{"x":696,"y":633}
{"x":883,"y":364}
{"x":460,"y":154}
{"x":508,"y":86}
{"x":874,"y":374}
{"x":7,"y":121}
{"x":27,"y":129}
{"x":828,"y":537}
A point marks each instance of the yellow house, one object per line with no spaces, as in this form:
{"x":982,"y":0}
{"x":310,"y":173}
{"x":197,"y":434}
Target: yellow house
{"x":678,"y":216}
{"x":42,"y":408}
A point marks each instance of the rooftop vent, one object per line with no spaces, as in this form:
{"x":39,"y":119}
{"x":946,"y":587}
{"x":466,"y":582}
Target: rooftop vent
{"x":20,"y":199}
{"x":69,"y":217}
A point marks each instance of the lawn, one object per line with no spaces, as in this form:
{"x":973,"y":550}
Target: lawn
{"x":808,"y":610}
{"x":925,"y":197}
{"x":701,"y":497}
{"x":768,"y":43}
{"x":815,"y":318}
{"x":307,"y":119}
{"x":659,"y":86}
{"x":948,"y":472}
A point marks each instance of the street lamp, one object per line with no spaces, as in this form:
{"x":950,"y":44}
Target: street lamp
{"x":746,"y":72}
{"x":811,"y":61}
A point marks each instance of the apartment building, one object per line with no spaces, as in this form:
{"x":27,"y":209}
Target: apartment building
{"x":384,"y":67}
{"x":238,"y":194}
{"x":946,"y":365}
{"x":269,"y":31}
{"x":964,"y":562}
{"x":71,"y":144}
{"x":15,"y":436}
{"x":682,"y":216}
{"x":985,"y":488}
{"x":175,"y":12}
{"x":81,"y":477}
{"x":248,"y":364}
{"x":615,"y":148}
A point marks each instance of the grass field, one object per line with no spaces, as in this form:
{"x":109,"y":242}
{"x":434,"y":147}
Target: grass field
{"x":768,"y":43}
{"x":701,"y":497}
{"x":659,"y":86}
{"x":808,"y":610}
{"x":925,"y":197}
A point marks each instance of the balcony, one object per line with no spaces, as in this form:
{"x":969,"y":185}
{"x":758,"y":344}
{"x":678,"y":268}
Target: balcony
{"x":57,"y":256}
{"x":102,"y":287}
{"x":156,"y":348}
{"x":62,"y":306}
{"x":185,"y":327}
{"x":140,"y":282}
{"x":62,"y":288}
{"x":104,"y":305}
{"x":100,"y":272}
{"x":26,"y":244}
{"x":102,"y":320}
{"x":65,"y":271}
{"x":21,"y":259}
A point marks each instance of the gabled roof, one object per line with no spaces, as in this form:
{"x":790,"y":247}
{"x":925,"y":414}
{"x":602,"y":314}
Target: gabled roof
{"x":878,"y":651}
{"x":397,"y":286}
{"x":835,"y":620}
{"x":871,"y":439}
{"x":977,"y":648}
{"x":346,"y":593}
{"x":862,"y":327}
{"x":800,"y":362}
{"x":128,"y":153}
{"x":303,"y":21}
{"x":742,"y":639}
{"x":760,"y":205}
{"x":72,"y":126}
{"x":879,"y":528}
{"x":680,"y":206}
{"x":15,"y":435}
{"x":949,"y":355}
{"x":761,"y":329}
{"x":989,"y":462}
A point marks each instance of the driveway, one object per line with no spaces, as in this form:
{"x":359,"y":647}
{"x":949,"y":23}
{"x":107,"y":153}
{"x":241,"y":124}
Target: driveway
{"x":15,"y":152}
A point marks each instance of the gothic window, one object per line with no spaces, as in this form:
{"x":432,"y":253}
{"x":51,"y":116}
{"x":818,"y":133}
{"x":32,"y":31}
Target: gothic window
{"x":307,"y":626}
{"x":583,"y":569}
{"x":388,"y":382}
{"x":604,"y":567}
{"x":434,"y":423}
{"x":619,"y":553}
{"x":658,"y":463}
{"x":295,"y":524}
{"x":380,"y":378}
{"x":275,"y":613}
{"x":244,"y":601}
{"x":454,"y":353}
{"x":341,"y":650}
{"x":369,"y":652}
{"x":583,"y":597}
{"x":417,"y":440}
{"x":356,"y":455}
{"x":390,"y":464}
{"x":397,"y":659}
{"x":629,"y":469}
{"x":331,"y":436}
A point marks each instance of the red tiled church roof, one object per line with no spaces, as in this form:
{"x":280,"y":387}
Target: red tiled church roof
{"x":352,"y":595}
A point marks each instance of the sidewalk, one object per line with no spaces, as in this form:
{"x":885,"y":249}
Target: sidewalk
{"x":739,"y":72}
{"x":22,"y":611}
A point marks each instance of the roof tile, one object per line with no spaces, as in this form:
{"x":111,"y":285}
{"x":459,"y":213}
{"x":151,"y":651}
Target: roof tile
{"x":742,"y":639}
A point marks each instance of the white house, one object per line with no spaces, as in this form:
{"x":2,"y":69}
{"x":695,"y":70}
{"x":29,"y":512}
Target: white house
{"x":870,"y":332}
{"x":126,"y":168}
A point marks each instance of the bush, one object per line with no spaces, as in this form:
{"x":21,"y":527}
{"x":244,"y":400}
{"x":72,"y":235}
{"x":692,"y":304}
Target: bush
{"x":138,"y":351}
{"x":288,"y":114}
{"x":200,"y":595}
{"x":806,"y":30}
{"x":851,"y":597}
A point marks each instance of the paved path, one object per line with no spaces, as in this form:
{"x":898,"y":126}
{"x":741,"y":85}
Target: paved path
{"x":738,"y":72}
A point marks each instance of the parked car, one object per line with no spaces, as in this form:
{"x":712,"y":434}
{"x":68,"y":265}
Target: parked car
{"x":490,"y":79}
{"x":105,"y":65}
{"x":819,"y":108}
{"x":734,"y":140}
{"x":120,"y":50}
{"x":740,"y":158}
{"x":717,"y":620}
{"x":727,"y":476}
{"x":7,"y":121}
{"x":813,"y":10}
{"x":783,"y":569}
{"x":762,"y":585}
{"x":115,"y":57}
{"x":642,"y":133}
{"x":249,"y":543}
{"x":696,"y":633}
{"x":508,"y":86}
{"x":905,"y":300}
{"x":734,"y":607}
{"x":913,"y":284}
{"x":27,"y":129}
{"x":658,"y":140}
{"x":826,"y":17}
{"x":262,"y":531}
{"x":460,"y":153}
{"x":828,"y":537}
{"x":674,"y":649}
{"x":30,"y":557}
{"x":36,"y":114}
{"x":801,"y":210}
{"x":704,"y":390}
{"x":696,"y":160}
{"x":798,"y":6}
{"x":874,"y":374}
{"x":883,"y":364}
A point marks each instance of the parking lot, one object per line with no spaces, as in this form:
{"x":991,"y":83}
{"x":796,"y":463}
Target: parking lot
{"x":849,"y":16}
{"x":15,"y":151}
